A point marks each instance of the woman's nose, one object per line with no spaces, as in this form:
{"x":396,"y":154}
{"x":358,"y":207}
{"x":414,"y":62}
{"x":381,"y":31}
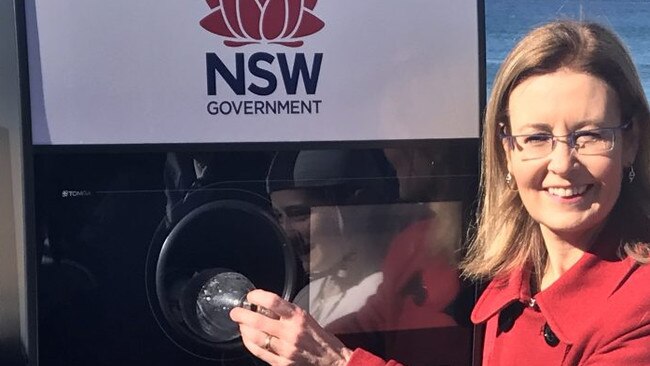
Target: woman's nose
{"x":562,"y":159}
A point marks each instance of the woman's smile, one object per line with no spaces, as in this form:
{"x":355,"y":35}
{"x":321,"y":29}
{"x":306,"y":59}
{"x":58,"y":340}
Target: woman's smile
{"x":570,"y":194}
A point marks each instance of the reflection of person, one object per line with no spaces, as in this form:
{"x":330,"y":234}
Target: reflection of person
{"x":420,"y":280}
{"x":346,"y":256}
{"x":420,"y":275}
{"x":564,"y":225}
{"x":420,"y":295}
{"x":317,"y":196}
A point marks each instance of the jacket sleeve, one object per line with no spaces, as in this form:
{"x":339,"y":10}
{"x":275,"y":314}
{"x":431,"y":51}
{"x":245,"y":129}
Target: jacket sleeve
{"x":364,"y":358}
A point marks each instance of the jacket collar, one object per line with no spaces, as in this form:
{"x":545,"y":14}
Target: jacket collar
{"x":569,"y":302}
{"x":500,"y":293}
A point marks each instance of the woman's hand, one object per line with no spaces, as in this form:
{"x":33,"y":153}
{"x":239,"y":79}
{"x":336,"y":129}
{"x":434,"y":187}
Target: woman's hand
{"x":288,"y":336}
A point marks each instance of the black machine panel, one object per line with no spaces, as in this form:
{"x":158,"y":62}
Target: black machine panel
{"x":130,"y":247}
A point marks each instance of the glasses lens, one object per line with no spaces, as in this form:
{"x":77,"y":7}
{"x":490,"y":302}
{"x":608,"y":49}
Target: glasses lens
{"x":595,"y":141}
{"x":534,"y":146}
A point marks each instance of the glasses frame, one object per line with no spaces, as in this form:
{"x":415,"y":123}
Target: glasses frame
{"x":569,"y":139}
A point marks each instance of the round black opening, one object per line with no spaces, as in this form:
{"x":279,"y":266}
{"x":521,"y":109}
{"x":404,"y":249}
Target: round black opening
{"x":234,"y":233}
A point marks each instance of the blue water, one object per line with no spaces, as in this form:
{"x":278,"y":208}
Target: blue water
{"x":508,"y":20}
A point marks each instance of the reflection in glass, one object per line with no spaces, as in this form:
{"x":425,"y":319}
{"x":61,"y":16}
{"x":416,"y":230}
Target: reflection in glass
{"x":383,"y":267}
{"x":347,"y":244}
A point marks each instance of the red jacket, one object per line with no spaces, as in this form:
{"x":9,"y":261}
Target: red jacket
{"x":416,"y":289}
{"x":597,"y":313}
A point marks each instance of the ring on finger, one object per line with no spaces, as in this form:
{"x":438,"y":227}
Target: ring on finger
{"x":267,"y":343}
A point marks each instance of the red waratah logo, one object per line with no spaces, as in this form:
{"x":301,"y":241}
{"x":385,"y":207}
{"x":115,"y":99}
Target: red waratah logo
{"x":262,"y":21}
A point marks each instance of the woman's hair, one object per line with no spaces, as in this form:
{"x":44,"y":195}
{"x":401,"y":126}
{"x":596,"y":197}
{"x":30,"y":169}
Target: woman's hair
{"x":506,"y":236}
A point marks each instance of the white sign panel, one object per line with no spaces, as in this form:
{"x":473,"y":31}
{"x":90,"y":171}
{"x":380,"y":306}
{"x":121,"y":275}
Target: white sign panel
{"x":169,"y":71}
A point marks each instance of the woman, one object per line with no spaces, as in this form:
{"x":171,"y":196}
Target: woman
{"x":565,"y":178}
{"x":564,"y":218}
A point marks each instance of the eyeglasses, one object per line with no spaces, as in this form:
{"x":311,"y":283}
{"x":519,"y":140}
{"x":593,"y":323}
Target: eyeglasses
{"x":585,"y":142}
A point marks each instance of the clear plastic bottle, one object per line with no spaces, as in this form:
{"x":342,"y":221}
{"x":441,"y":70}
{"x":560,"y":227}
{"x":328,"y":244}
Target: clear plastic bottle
{"x":217,"y":297}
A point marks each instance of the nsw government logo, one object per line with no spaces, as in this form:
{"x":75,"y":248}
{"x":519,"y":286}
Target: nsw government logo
{"x":266,"y":75}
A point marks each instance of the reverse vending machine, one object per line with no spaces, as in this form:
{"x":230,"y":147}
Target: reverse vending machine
{"x":180,"y":154}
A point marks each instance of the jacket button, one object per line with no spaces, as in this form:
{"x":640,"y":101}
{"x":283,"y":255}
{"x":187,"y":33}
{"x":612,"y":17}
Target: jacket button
{"x":508,"y":316}
{"x":550,"y":337}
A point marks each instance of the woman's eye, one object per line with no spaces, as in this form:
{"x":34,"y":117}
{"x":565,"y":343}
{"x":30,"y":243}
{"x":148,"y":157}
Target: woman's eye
{"x":298,"y":212}
{"x":589,"y":136}
{"x":537,"y":138}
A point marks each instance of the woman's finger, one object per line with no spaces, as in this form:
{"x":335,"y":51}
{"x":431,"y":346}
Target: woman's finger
{"x":256,"y":320}
{"x":269,"y":342}
{"x":261,"y":345}
{"x":272,"y":302}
